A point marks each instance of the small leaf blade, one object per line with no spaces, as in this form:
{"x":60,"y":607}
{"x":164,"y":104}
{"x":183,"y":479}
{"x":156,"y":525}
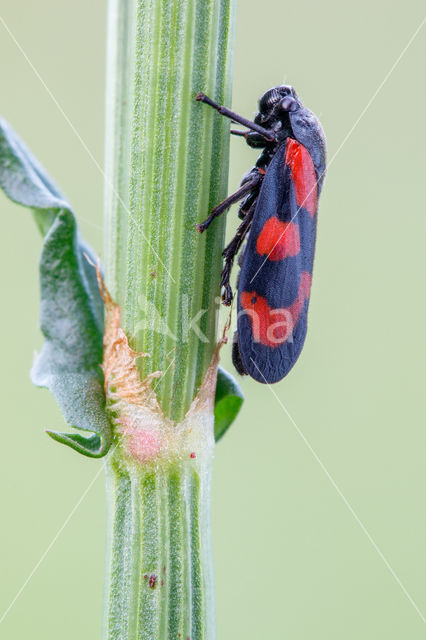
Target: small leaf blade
{"x":228,"y":401}
{"x":90,"y":446}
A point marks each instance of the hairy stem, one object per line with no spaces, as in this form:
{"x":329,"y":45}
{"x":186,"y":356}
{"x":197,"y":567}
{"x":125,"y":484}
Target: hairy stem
{"x":166,"y":166}
{"x":162,"y":586}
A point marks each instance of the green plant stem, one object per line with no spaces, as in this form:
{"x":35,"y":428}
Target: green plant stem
{"x":162,"y":586}
{"x":166,"y":166}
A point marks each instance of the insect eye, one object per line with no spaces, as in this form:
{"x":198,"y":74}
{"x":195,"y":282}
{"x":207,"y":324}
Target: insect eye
{"x":288,"y":104}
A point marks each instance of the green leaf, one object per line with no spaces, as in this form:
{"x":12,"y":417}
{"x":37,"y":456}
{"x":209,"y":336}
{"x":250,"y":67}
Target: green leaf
{"x":72,"y":309}
{"x":228,"y":401}
{"x":71,"y":306}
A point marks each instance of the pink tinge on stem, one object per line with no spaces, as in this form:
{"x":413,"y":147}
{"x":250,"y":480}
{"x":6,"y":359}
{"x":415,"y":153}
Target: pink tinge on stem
{"x":143,"y":445}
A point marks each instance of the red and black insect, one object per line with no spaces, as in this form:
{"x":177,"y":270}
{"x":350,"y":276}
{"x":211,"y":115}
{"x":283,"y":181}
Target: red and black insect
{"x":279,"y":208}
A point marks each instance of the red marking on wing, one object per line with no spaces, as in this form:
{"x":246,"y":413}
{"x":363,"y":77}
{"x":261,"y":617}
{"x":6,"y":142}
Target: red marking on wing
{"x":277,"y":240}
{"x":272,"y":327}
{"x":298,"y":158}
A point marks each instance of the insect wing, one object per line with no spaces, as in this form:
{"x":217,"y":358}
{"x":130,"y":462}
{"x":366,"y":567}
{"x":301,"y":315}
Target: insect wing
{"x":275,"y":279}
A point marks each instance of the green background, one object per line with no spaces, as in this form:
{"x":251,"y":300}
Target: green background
{"x":294,"y":503}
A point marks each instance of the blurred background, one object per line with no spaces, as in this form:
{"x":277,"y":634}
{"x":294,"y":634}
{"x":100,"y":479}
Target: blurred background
{"x":319,"y":518}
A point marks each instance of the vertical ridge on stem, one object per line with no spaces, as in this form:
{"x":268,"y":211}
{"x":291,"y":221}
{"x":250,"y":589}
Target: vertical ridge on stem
{"x":149,"y":614}
{"x":197,"y":591}
{"x":176,"y":560}
{"x":118,"y":586}
{"x":119,"y":83}
{"x":218,"y":176}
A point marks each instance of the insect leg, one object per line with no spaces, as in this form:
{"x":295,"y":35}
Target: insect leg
{"x":253,"y":139}
{"x":246,"y":204}
{"x":243,"y":190}
{"x":224,"y":111}
{"x":231,"y":250}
